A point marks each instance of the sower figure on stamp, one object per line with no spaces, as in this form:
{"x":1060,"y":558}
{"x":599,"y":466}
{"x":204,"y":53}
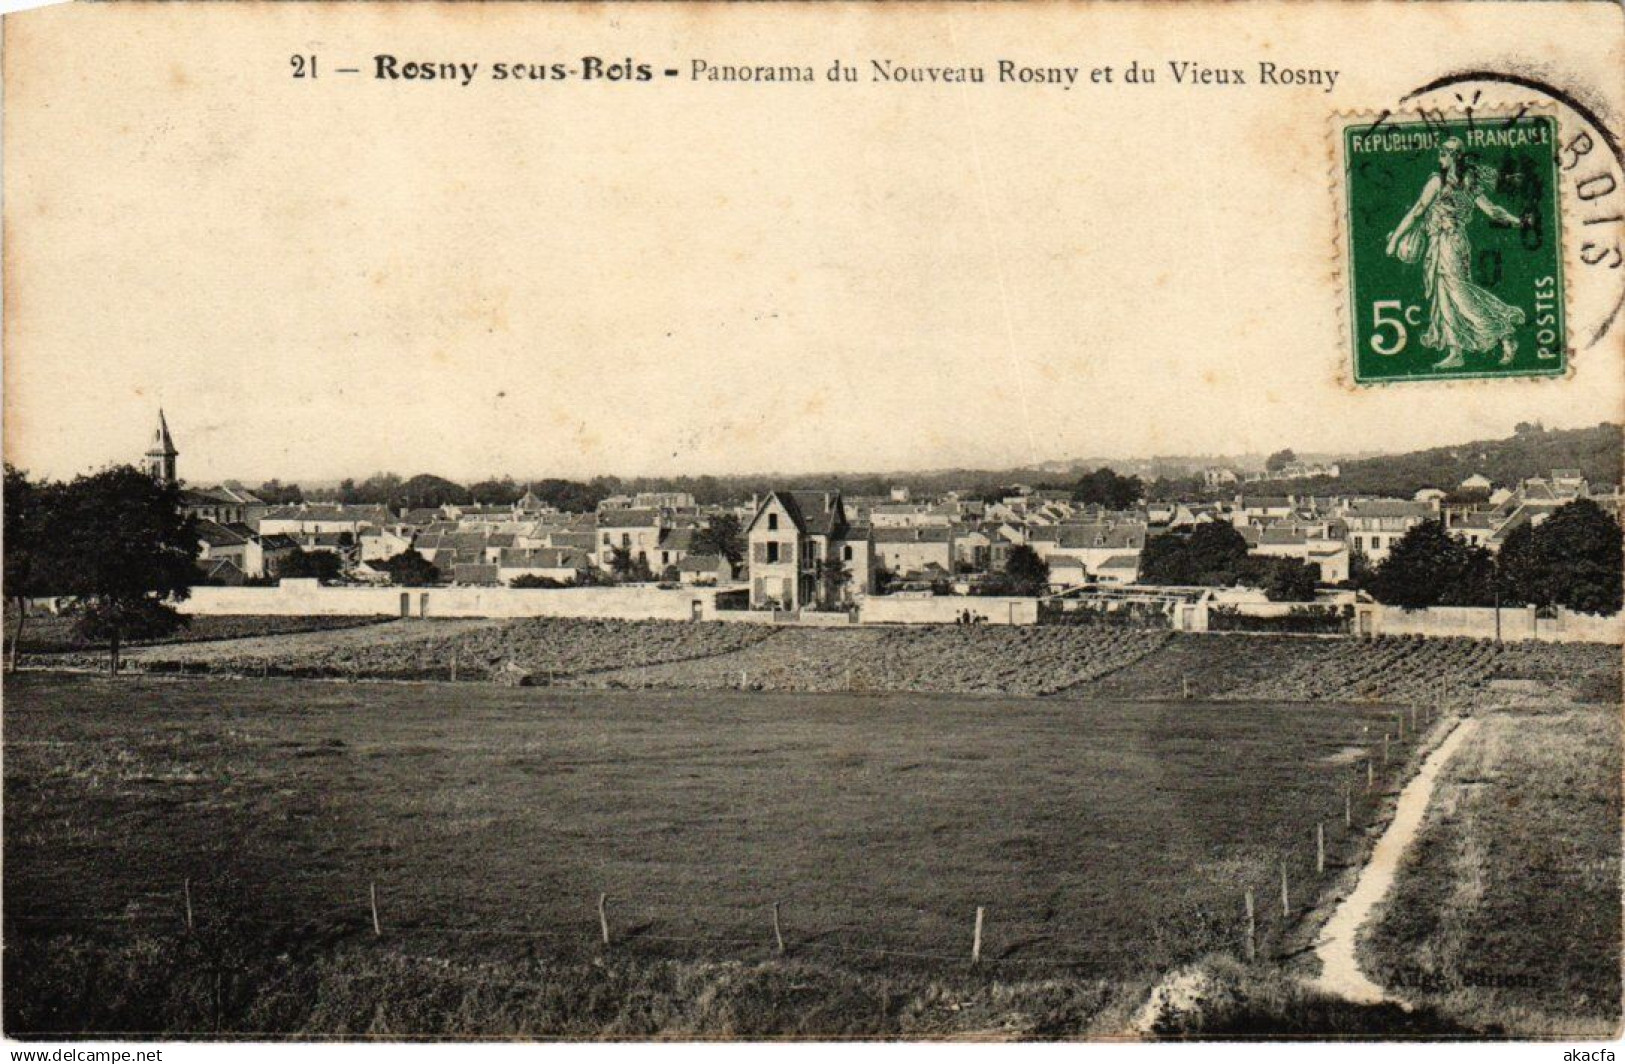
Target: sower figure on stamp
{"x":1463,"y":316}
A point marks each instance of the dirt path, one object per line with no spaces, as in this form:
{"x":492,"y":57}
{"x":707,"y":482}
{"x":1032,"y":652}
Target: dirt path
{"x":1340,"y":970}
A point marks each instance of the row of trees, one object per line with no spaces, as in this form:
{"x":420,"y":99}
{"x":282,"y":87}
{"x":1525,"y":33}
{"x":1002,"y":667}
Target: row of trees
{"x":1216,"y":555}
{"x":1574,"y":559}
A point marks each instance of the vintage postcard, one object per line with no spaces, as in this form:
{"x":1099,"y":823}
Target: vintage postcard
{"x":851,"y":521}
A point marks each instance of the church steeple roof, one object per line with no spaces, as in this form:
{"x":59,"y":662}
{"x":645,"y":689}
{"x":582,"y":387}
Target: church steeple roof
{"x":162,"y":444}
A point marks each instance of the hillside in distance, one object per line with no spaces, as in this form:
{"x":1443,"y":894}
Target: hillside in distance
{"x":1532,"y":451}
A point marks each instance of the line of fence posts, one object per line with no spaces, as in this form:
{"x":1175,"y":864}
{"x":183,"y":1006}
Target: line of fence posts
{"x":1426,"y":713}
{"x":1250,"y":943}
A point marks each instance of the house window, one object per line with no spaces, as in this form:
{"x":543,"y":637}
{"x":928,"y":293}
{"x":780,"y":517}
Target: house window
{"x":846,"y":553}
{"x":1359,"y":543}
{"x":607,"y":539}
{"x":772,"y":553}
{"x":626,"y":539}
{"x":772,"y":522}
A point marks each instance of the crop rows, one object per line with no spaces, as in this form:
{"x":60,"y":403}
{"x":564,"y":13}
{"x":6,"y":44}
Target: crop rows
{"x":1017,"y":661}
{"x":55,"y":635}
{"x":545,"y":647}
{"x":1385,"y":669}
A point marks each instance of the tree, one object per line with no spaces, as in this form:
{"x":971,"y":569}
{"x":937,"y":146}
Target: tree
{"x":1280,"y":460}
{"x":496,"y":491}
{"x":31,"y":565}
{"x":411,"y":569}
{"x":833,"y":577}
{"x":300,"y":564}
{"x":1216,"y":554}
{"x":627,"y":569}
{"x":426,"y":492}
{"x":1212,"y":554}
{"x":276,"y":493}
{"x":1106,"y":488}
{"x":1360,"y":570}
{"x":126,"y":552}
{"x":592,"y":576}
{"x":1026,"y":572}
{"x":1430,"y":567}
{"x":1572,"y":559}
{"x":1286,"y":579}
{"x":723,"y":536}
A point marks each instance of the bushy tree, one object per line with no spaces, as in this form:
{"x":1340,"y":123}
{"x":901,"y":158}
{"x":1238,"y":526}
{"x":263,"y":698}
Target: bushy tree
{"x":833,"y":578}
{"x":1211,"y":554}
{"x":279,"y":494}
{"x":1430,"y":567}
{"x":592,"y":576}
{"x":1025,"y":572}
{"x":126,"y":552}
{"x":1280,"y":460}
{"x":496,"y":491}
{"x":409,"y":568}
{"x":629,"y":569}
{"x":301,"y":564}
{"x":426,"y":492}
{"x":1572,"y":559}
{"x":32,"y":566}
{"x":1286,"y":579}
{"x":723,"y":536}
{"x":1104,"y":487}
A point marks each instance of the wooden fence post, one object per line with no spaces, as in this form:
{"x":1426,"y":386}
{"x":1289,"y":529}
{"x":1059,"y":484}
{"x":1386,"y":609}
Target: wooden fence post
{"x":976,"y":942}
{"x":1286,"y":899}
{"x":603,"y":917}
{"x":1384,"y":749}
{"x":372,"y":892}
{"x":1320,"y":847}
{"x":1252,"y":929}
{"x":1370,"y":774}
{"x":1348,"y":806}
{"x":778,"y":935}
{"x":454,"y":666}
{"x":186,"y":885}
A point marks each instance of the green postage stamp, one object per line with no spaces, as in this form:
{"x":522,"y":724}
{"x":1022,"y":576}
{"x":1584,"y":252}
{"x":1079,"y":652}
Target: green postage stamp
{"x":1454,"y":255}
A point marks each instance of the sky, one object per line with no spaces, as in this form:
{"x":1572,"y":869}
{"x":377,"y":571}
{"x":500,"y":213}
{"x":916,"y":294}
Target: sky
{"x":326,"y":279}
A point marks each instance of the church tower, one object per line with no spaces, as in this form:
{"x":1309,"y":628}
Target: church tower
{"x":161,"y":454}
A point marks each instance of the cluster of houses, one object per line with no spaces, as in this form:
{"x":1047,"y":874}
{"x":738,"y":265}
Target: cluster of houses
{"x":818,"y":549}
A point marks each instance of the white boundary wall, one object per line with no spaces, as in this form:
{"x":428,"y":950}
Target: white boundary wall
{"x":1517,"y":623}
{"x":890,"y":609}
{"x":309,"y":598}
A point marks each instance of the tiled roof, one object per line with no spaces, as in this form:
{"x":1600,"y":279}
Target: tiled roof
{"x":925,"y":534}
{"x":677,"y":539}
{"x":629,"y":519}
{"x":544,"y":558}
{"x":700,"y":563}
{"x":218,"y":535}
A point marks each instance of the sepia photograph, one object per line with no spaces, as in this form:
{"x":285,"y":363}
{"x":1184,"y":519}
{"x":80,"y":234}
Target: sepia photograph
{"x":844,"y":522}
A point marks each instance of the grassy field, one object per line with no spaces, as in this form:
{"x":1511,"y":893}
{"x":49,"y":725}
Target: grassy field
{"x":1508,"y":908}
{"x":1108,"y":841}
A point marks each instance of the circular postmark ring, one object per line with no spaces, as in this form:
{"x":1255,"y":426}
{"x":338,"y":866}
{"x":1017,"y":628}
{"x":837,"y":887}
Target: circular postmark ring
{"x":1590,"y":161}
